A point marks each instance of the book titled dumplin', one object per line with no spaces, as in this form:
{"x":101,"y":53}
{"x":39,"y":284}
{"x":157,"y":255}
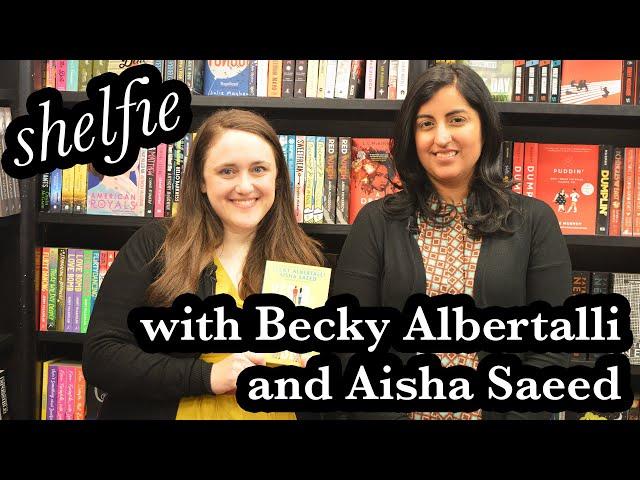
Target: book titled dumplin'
{"x":305,"y":286}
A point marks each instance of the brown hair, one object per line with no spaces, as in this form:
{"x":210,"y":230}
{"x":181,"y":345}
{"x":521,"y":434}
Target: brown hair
{"x":196,"y":231}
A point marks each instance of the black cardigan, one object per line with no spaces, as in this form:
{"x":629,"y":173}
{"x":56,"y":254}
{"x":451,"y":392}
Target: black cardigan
{"x":381,"y":265}
{"x":140,"y":385}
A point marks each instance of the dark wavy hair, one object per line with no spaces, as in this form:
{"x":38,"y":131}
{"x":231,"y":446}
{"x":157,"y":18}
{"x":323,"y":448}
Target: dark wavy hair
{"x":490,"y":205}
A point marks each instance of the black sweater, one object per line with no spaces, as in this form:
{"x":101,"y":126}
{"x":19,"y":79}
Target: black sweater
{"x":140,"y":385}
{"x":381,"y":265}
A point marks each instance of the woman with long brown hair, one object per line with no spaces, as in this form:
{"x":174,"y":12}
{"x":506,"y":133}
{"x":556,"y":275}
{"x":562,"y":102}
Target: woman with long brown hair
{"x":235,"y":212}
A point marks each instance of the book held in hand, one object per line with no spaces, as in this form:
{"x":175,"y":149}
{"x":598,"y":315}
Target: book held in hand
{"x":304,"y":285}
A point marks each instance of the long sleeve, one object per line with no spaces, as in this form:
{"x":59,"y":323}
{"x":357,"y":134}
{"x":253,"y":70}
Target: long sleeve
{"x":112,"y":359}
{"x":359,"y":273}
{"x":548,"y":279}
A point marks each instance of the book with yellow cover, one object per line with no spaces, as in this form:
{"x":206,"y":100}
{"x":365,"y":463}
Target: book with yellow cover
{"x":305,"y":286}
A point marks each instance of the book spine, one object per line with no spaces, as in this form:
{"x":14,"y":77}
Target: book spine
{"x":600,"y":283}
{"x":61,"y":75}
{"x":95,"y":277}
{"x":80,"y":189}
{"x":103,"y":267}
{"x":370,"y":80}
{"x":291,"y":162}
{"x":52,"y":393}
{"x":178,"y":153}
{"x":544,"y":84}
{"x":604,"y":190}
{"x":61,"y":401}
{"x":344,"y":172}
{"x":188,"y":73}
{"x":310,"y":176}
{"x":507,"y":160}
{"x":330,"y":180}
{"x":288,"y":78}
{"x":356,"y":79}
{"x":615,"y":219}
{"x":70,"y":295}
{"x":627,"y":192}
{"x":330,"y":83}
{"x":150,"y":185}
{"x":44,"y":192}
{"x":169,"y":70}
{"x":530,"y":168}
{"x":628,"y":82}
{"x":253,"y":78}
{"x":299,"y":179}
{"x":341,"y":88}
{"x":636,"y":196}
{"x":68,"y":179}
{"x":556,"y":81}
{"x":44,"y":289}
{"x":80,"y":394}
{"x":382,"y":79}
{"x":159,"y":186}
{"x":62,"y":289}
{"x":275,"y":78}
{"x":322,"y":78}
{"x":55,"y":193}
{"x":71,"y":393}
{"x":85,"y":73}
{"x":518,"y":80}
{"x":141,"y":179}
{"x":318,"y":193}
{"x":393,"y":80}
{"x":403,"y":79}
{"x":262,"y":80}
{"x":77,"y":292}
{"x":168,"y":182}
{"x":53,"y":288}
{"x":531,"y":80}
{"x":85,"y":295}
{"x":518,"y":166}
{"x":72,"y":75}
{"x":312,"y":78}
{"x":300,"y":82}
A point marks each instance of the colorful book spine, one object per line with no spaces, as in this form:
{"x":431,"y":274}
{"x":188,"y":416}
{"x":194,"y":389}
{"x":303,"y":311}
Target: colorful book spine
{"x":299,"y":178}
{"x":52,"y":392}
{"x":80,"y":189}
{"x":44,"y":289}
{"x":160,"y":178}
{"x":85,"y":73}
{"x":80,"y":395}
{"x":61,"y":75}
{"x":77,"y":292}
{"x":45,"y":202}
{"x":62,"y":289}
{"x":55,"y":193}
{"x":556,"y":81}
{"x":70,"y":293}
{"x":95,"y":279}
{"x":72,"y":75}
{"x":309,"y":178}
{"x":529,"y":170}
{"x":61,"y":401}
{"x":344,"y":174}
{"x":318,"y":191}
{"x":392,"y":92}
{"x":68,"y":179}
{"x":615,"y":218}
{"x":518,"y":166}
{"x":636,"y":196}
{"x":330,"y":180}
{"x":627,"y":192}
{"x":85,"y":311}
{"x":382,"y":79}
{"x":291,"y":160}
{"x":52,"y":302}
{"x":275,"y":79}
{"x":604,"y":189}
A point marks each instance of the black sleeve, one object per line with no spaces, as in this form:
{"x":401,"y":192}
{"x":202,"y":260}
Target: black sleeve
{"x":112,"y":359}
{"x":359,"y":265}
{"x":359,"y":273}
{"x":548,"y":279}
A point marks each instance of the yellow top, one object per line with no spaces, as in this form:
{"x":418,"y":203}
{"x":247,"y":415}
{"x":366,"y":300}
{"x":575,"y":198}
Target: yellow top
{"x":222,"y":407}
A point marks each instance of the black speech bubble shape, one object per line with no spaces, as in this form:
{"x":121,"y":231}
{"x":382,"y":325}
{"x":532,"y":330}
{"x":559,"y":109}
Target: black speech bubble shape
{"x":109,"y":132}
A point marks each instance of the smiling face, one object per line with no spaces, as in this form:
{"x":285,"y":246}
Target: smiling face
{"x":239,"y":179}
{"x":448,"y":135}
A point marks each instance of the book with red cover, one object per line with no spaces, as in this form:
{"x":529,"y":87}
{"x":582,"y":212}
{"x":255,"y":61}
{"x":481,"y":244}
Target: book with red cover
{"x":592,"y":82}
{"x":372,"y":173}
{"x":566,"y":180}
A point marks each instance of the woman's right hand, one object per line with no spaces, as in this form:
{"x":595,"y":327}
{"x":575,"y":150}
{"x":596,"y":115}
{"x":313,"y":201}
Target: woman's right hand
{"x":224,"y":374}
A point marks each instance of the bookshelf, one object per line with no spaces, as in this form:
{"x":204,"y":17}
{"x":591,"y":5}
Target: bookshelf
{"x":537,"y":122}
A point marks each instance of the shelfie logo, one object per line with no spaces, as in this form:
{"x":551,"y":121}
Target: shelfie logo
{"x":123,"y":113}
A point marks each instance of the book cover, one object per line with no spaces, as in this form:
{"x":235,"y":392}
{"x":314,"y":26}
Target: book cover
{"x":372,"y":173}
{"x":567,"y":176}
{"x":304,"y":285}
{"x":497,"y":76}
{"x":227,"y":77}
{"x":117,"y":195}
{"x":591,"y":82}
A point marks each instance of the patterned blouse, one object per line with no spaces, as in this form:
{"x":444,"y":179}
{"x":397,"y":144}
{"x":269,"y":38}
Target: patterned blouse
{"x":450,"y":259}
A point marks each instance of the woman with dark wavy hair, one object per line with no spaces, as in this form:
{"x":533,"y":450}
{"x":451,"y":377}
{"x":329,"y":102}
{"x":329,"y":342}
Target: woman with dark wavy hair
{"x":235,"y":212}
{"x":456,"y":227}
